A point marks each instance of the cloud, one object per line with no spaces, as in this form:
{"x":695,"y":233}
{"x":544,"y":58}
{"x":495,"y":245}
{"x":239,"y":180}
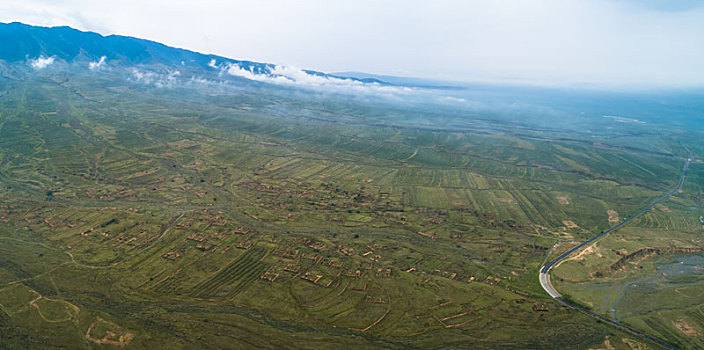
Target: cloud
{"x":623,"y":119}
{"x":213,"y":64}
{"x":306,"y":82}
{"x":292,"y":76}
{"x":97,"y":65}
{"x":41,"y":62}
{"x":140,"y":76}
{"x":159,"y":80}
{"x":299,"y":79}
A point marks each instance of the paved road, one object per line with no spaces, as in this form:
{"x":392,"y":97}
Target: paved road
{"x":545,"y":269}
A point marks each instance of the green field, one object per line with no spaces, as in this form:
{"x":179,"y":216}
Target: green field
{"x":210,"y":216}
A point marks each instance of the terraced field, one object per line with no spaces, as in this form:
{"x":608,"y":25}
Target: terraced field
{"x":234,"y":277}
{"x":239,"y":215}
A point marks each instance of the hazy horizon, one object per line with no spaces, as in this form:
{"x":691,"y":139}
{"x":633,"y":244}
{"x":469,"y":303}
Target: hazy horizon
{"x":622,"y":44}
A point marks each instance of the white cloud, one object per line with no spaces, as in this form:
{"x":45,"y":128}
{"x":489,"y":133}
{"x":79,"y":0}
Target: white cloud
{"x":292,"y":76}
{"x":623,"y":119}
{"x":97,"y":65}
{"x":297,"y":78}
{"x":146,"y":77}
{"x":455,"y":99}
{"x":213,"y":64}
{"x":159,"y":80}
{"x":41,"y":62}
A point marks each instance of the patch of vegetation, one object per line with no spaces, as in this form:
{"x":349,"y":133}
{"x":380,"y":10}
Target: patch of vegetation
{"x":338,"y":222}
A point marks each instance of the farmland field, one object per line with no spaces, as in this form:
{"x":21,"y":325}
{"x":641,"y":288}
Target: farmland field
{"x":209,"y":215}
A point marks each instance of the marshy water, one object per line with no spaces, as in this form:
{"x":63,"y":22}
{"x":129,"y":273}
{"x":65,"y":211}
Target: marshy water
{"x":676,"y":282}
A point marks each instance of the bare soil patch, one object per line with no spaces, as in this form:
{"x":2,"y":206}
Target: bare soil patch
{"x":665,"y":209}
{"x":687,"y":328}
{"x":106,"y":332}
{"x":569,"y":224}
{"x":592,"y":249}
{"x":613,"y":216}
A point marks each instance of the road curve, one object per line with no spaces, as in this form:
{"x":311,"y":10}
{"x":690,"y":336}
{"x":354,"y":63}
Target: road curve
{"x":544,"y":276}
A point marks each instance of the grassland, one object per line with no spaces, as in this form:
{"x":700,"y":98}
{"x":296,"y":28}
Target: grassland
{"x":639,"y":275}
{"x":258,"y":217}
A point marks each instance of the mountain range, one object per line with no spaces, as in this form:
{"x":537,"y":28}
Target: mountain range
{"x":24,"y":43}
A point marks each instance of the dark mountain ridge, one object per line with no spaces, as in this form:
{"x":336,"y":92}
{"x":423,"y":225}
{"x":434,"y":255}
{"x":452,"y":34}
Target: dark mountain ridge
{"x":21,"y":42}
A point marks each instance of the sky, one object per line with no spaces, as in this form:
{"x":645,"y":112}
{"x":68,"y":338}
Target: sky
{"x":611,"y":43}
